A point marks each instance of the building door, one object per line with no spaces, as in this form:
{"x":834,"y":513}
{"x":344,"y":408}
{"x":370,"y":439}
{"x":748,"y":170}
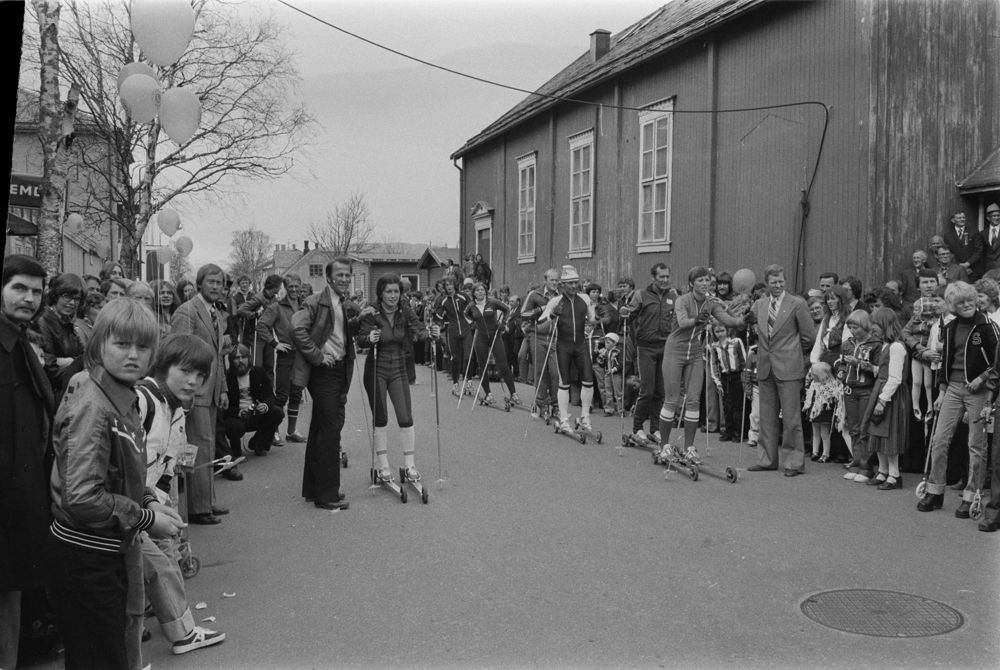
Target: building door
{"x":483,"y":245}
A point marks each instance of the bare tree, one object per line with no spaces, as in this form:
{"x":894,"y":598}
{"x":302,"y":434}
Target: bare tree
{"x":180,"y":267}
{"x":250,"y":254}
{"x":56,"y":121}
{"x":347,"y":229}
{"x":243,"y":72}
{"x":389,"y":243}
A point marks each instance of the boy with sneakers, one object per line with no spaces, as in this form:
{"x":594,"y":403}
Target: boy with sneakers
{"x":182,"y":364}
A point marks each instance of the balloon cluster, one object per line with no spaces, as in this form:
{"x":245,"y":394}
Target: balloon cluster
{"x":169,"y":222}
{"x":163,"y":30}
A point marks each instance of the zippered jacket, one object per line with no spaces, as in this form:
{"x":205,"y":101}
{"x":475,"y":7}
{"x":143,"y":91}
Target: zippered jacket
{"x":980,"y":351}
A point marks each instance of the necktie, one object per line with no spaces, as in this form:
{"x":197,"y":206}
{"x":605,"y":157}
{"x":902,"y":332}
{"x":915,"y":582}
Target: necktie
{"x":993,"y":235}
{"x":772,"y":314}
{"x":215,"y":321}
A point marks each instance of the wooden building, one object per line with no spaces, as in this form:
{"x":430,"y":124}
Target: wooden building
{"x":650,"y":162}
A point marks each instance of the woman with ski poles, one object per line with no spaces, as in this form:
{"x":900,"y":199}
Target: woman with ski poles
{"x":390,"y":331}
{"x":487,"y":316}
{"x":682,"y":356}
{"x":450,"y":308}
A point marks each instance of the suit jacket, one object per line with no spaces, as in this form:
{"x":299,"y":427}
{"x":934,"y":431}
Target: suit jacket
{"x":784,"y":351}
{"x":261,"y":390}
{"x":991,"y":252}
{"x":969,"y":250}
{"x":908,"y":284}
{"x":194,"y":318}
{"x":311,"y":328}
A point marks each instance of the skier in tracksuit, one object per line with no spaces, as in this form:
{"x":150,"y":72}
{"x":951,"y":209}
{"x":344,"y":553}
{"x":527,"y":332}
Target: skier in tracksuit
{"x":575,"y":320}
{"x":450,"y":308}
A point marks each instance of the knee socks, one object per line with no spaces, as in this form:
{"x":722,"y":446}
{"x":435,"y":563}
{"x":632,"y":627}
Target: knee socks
{"x":381,"y":451}
{"x":409,"y":438}
{"x":563,"y":396}
{"x":586,"y":399}
{"x":293,"y":417}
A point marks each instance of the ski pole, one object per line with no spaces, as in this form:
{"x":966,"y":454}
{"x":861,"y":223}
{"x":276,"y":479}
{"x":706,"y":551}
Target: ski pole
{"x":437,"y":408}
{"x":461,"y":391}
{"x":482,"y":373}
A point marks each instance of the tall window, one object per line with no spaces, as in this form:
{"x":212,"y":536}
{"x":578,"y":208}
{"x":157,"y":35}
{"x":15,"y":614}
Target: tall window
{"x":526,"y":208}
{"x":655,"y":151}
{"x":581,"y":194}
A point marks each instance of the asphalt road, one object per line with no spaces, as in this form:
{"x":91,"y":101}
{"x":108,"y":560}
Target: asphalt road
{"x":544,"y":553}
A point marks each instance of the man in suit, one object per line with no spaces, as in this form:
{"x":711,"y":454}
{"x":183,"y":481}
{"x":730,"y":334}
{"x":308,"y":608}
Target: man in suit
{"x":908,"y":286}
{"x":322,"y":332}
{"x":200,"y":317}
{"x":948,"y":270}
{"x":965,"y":244}
{"x":785,"y":337}
{"x":991,"y":239}
{"x":27,"y":405}
{"x":254,"y":407}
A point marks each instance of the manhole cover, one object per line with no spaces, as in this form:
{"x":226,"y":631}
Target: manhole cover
{"x":881,"y":613}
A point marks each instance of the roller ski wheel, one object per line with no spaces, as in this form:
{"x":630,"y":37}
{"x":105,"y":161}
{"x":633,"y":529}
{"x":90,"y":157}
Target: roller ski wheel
{"x":588,"y":430}
{"x":976,"y":508}
{"x":732,"y":475}
{"x":388,"y":483}
{"x":921,"y":490}
{"x":417,"y":485}
{"x":190,"y":567}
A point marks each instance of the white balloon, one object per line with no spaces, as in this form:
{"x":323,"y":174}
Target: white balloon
{"x":103,"y":250}
{"x":140,"y":96}
{"x":180,"y":114}
{"x":184,"y":245}
{"x":163,"y":29}
{"x":74,"y":222}
{"x":169,"y":221}
{"x":134,"y":68}
{"x":164,"y":254}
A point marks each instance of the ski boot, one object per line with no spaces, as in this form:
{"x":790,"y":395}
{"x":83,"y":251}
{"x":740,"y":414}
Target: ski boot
{"x":456,"y":389}
{"x":585,"y":424}
{"x":384,"y":475}
{"x":514,"y":400}
{"x":468,"y":388}
{"x":666,"y":453}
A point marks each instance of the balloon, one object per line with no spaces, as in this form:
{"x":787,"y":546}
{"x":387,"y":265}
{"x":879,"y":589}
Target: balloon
{"x":180,"y":114}
{"x":169,"y":221}
{"x":164,"y":254}
{"x":103,"y":250}
{"x":140,"y":96}
{"x":184,"y":245}
{"x":744,"y":280}
{"x":163,"y":29}
{"x":74,"y":222}
{"x":134,"y":68}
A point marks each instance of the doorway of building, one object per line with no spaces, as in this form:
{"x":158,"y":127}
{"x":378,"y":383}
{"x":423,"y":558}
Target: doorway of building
{"x":483,"y":245}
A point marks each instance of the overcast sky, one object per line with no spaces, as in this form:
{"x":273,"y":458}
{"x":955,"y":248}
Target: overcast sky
{"x":388,"y":124}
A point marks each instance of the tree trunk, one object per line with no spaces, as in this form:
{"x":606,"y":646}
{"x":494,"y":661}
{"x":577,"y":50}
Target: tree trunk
{"x":130,"y":253}
{"x":55,"y":133}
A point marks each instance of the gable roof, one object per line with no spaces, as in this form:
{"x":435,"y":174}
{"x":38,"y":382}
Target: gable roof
{"x":986,"y":177}
{"x":666,"y":28}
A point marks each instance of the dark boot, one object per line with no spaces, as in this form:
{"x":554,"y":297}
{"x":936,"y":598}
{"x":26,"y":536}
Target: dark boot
{"x":930,"y":502}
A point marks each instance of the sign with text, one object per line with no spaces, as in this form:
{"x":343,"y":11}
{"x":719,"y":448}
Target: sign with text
{"x":25,"y":191}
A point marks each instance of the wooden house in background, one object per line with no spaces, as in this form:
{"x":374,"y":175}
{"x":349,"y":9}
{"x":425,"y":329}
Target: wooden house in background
{"x":652,"y":163}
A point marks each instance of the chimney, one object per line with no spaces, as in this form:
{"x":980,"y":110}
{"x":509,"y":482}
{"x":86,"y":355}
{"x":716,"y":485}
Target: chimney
{"x":295,"y":246}
{"x":305,"y":247}
{"x":600,"y":43}
{"x":277,"y":248}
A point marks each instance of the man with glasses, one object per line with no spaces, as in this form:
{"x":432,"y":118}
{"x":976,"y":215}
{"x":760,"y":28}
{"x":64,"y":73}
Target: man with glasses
{"x":948,"y":270}
{"x":966,"y":244}
{"x":253,"y":409}
{"x":61,"y":343}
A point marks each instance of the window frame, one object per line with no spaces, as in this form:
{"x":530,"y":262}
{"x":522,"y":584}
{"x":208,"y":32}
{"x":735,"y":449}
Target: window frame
{"x":414,"y":281}
{"x":316,"y":265}
{"x":527,"y":164}
{"x":653,"y":114}
{"x":579,"y":142}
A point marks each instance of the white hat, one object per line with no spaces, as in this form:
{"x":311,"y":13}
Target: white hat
{"x":612,"y":338}
{"x":569,"y":273}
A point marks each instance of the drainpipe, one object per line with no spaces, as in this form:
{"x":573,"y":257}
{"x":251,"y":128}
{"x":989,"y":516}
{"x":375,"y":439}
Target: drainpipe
{"x":461,"y":206}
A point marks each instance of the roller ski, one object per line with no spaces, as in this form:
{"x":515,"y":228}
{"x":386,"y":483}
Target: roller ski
{"x":488,"y":400}
{"x":513,"y":402}
{"x":729,"y":473}
{"x":384,"y":478}
{"x":671,"y":458}
{"x":551,"y":416}
{"x":583,"y":425}
{"x":639,"y":440}
{"x":412,"y":477}
{"x":564,"y":428}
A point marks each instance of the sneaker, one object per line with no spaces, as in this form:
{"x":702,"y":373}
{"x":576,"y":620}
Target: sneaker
{"x":294,"y":437}
{"x":412,"y":475}
{"x":514,"y":400}
{"x":534,"y":412}
{"x":277,"y":442}
{"x":385,"y":475}
{"x":641,"y":435}
{"x":609,"y":411}
{"x":752,"y":444}
{"x":564,"y":426}
{"x":655,"y":436}
{"x":456,"y":389}
{"x":691,"y":455}
{"x":468,"y":389}
{"x":198,"y":638}
{"x":489,"y":399}
{"x":850,"y":476}
{"x":585,"y":423}
{"x":666,"y":453}
{"x":861,"y":478}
